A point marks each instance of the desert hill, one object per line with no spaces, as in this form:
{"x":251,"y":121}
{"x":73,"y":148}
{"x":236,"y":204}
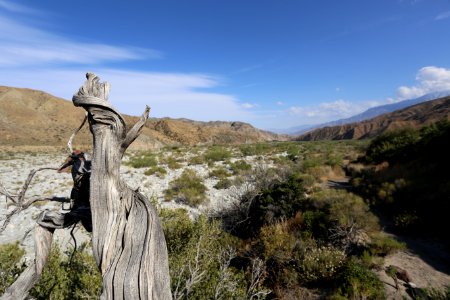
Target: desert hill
{"x":35,"y":118}
{"x":414,"y":116}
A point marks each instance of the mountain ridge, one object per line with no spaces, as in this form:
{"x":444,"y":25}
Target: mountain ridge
{"x":414,"y":116}
{"x":35,"y":118}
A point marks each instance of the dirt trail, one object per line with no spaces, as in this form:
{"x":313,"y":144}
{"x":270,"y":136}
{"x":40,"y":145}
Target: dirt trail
{"x":427,"y":263}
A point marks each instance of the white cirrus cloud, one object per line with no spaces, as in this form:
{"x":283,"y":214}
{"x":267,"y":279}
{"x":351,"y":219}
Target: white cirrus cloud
{"x":443,"y":15}
{"x":429,"y":79}
{"x":22,"y":44}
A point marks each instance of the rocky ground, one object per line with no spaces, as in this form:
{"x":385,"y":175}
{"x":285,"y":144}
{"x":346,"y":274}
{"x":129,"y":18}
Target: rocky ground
{"x":14,"y":169}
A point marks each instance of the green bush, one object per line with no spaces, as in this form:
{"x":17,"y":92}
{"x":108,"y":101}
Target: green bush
{"x":255,"y":149}
{"x":199,"y":260}
{"x":392,"y":146}
{"x":142,"y":160}
{"x":358,"y":282}
{"x":158,"y":171}
{"x":217,"y":153}
{"x":172,"y":162}
{"x":282,"y":200}
{"x":10,"y":264}
{"x":382,"y":245}
{"x":240,"y":166}
{"x":187,"y":188}
{"x":178,"y":229}
{"x":65,"y":279}
{"x":223,"y":183}
{"x":219,"y":173}
{"x":321,"y":263}
{"x":197,"y":160}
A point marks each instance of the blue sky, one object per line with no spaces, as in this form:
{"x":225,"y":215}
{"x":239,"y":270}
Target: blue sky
{"x":274,"y":64}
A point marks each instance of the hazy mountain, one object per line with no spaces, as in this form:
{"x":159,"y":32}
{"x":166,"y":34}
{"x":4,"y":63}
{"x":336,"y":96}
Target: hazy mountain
{"x":368,"y":114}
{"x":35,"y":118}
{"x":414,"y":116}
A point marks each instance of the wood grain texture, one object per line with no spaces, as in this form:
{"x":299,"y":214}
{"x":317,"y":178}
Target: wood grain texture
{"x":128,"y":242}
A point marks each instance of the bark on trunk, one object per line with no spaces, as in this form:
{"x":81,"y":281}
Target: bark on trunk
{"x":127,"y":238}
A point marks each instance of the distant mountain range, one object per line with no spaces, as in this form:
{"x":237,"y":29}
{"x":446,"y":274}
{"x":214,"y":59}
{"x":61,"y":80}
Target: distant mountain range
{"x":414,"y":116}
{"x":368,"y":114}
{"x":35,"y":118}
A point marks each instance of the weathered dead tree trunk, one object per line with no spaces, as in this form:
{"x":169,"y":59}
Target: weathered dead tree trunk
{"x":127,"y":239}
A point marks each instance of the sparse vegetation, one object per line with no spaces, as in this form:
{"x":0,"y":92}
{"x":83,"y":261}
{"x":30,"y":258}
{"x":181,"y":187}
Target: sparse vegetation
{"x":284,"y":224}
{"x":156,"y":170}
{"x":142,"y":160}
{"x":188,"y":188}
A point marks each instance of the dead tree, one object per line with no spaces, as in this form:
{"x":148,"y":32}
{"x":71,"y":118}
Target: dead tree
{"x":127,"y":238}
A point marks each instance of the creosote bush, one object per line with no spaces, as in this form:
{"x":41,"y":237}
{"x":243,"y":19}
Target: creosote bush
{"x":187,"y":188}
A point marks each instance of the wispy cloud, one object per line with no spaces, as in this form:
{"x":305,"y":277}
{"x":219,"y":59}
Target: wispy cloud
{"x":327,"y":111}
{"x":36,"y":58}
{"x":249,"y":68}
{"x":429,"y":79}
{"x":443,"y":15}
{"x":249,"y":105}
{"x":22,"y":44}
{"x":16,"y":8}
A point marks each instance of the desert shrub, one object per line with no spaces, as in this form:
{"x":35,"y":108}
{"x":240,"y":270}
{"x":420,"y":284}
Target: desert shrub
{"x":187,"y":188}
{"x":178,"y":229}
{"x":197,"y":160}
{"x":333,"y":159}
{"x":201,"y":266}
{"x":359,"y":282}
{"x":345,"y":215}
{"x":282,"y":200}
{"x":217,"y":153}
{"x":172,"y":162}
{"x":10,"y":264}
{"x":158,"y":171}
{"x":437,"y":294}
{"x":219,"y":173}
{"x":65,"y":279}
{"x":240,"y":166}
{"x":320,"y":263}
{"x":315,"y":223}
{"x":142,"y":160}
{"x":223,"y":183}
{"x":255,"y":149}
{"x":382,"y":245}
{"x":277,"y":240}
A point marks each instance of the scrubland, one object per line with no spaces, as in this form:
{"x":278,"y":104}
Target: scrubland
{"x":286,"y":220}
